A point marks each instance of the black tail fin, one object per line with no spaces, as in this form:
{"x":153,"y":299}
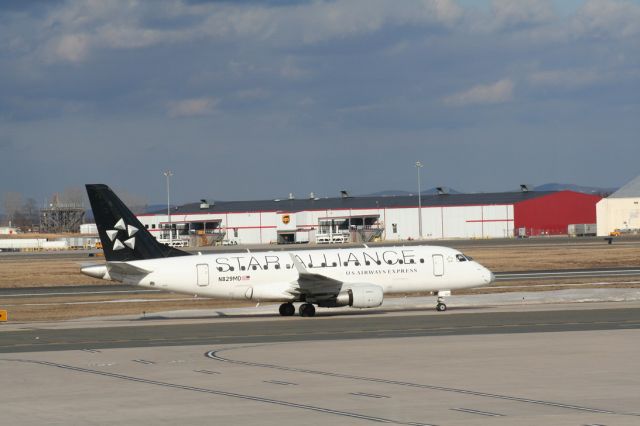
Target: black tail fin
{"x":123,"y":236}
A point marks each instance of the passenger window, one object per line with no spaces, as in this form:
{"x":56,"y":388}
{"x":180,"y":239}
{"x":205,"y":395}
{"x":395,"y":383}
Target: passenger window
{"x":411,"y":261}
{"x":231,"y":268}
{"x":400,"y":262}
{"x":254,"y":267}
{"x":288,"y":266}
{"x":277,"y":266}
{"x":421,"y":260}
{"x":266,"y":266}
{"x":345,"y":263}
{"x":310,"y":265}
{"x":389,"y":262}
{"x":378,"y":262}
{"x":242,"y":268}
{"x":220,"y":268}
{"x":323,"y":264}
{"x":367,"y":263}
{"x":334,"y":264}
{"x":357,"y":263}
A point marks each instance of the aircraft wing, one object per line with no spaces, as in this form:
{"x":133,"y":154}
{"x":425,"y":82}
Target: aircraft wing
{"x":317,"y":286}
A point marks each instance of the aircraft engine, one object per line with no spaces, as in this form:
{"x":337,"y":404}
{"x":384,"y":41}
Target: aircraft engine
{"x":363,"y":296}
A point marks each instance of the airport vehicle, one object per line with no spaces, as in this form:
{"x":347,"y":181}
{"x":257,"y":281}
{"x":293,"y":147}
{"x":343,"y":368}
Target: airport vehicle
{"x":356,"y":277}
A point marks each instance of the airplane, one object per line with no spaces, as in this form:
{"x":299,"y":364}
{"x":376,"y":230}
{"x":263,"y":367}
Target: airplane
{"x":356,"y":277}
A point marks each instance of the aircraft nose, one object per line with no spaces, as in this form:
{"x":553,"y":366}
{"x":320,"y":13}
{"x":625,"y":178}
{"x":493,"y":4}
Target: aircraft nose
{"x":489,"y":277}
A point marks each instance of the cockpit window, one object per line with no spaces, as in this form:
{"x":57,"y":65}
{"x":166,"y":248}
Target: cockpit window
{"x":463,"y":257}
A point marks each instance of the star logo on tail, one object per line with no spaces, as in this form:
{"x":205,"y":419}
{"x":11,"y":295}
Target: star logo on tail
{"x":120,"y":243}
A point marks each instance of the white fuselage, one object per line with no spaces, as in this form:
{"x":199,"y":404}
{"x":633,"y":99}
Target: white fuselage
{"x":272,"y":275}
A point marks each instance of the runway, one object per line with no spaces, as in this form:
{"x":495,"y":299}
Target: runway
{"x":327,"y":326}
{"x":561,"y":365}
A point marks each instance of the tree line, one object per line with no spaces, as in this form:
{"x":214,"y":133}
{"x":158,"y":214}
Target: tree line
{"x":24,"y":212}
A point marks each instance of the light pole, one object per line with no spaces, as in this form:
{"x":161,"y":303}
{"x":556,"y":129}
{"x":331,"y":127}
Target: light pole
{"x":168,"y":174}
{"x":419,"y":166}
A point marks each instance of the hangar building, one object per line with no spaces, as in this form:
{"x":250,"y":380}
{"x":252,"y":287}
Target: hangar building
{"x":364,"y":219}
{"x":620,"y":210}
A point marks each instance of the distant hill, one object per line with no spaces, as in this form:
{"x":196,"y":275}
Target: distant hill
{"x":397,"y":192}
{"x":576,"y":188}
{"x":544,"y":187}
{"x":152,"y":208}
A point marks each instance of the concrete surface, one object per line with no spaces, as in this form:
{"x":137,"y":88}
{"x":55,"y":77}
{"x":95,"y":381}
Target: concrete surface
{"x":569,"y":378}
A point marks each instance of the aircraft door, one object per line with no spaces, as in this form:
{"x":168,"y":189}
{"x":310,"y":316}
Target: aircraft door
{"x":203,"y":274}
{"x":438,"y":265}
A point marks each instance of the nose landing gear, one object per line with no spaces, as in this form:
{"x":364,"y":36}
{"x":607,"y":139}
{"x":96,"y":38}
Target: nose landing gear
{"x":441,"y":306}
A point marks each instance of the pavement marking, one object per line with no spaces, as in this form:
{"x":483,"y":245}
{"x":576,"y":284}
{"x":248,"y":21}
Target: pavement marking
{"x":221,"y":393}
{"x":206,"y":372}
{"x":92,"y":351}
{"x":278,"y":382}
{"x":369,"y":395}
{"x":214,"y":356}
{"x":143,"y":361}
{"x":482,"y":413}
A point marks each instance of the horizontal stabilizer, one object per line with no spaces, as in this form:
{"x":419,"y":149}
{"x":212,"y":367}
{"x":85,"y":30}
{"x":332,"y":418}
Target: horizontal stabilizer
{"x":124,"y":268}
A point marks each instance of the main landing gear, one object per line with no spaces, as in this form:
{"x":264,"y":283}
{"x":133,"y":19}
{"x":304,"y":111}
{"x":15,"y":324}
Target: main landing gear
{"x":287,"y":309}
{"x":307,"y":310}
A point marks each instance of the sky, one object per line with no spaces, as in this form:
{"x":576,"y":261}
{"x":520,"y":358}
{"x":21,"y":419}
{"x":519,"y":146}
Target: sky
{"x":259,"y":99}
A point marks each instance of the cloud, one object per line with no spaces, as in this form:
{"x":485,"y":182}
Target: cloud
{"x":607,"y":18}
{"x":290,"y":70}
{"x":72,"y":47}
{"x":322,"y":21}
{"x":498,"y":92}
{"x":509,"y":14}
{"x":252,"y":94}
{"x":568,"y":78}
{"x":131,"y":24}
{"x":192,"y":107}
